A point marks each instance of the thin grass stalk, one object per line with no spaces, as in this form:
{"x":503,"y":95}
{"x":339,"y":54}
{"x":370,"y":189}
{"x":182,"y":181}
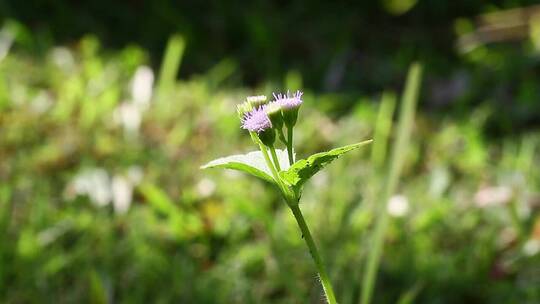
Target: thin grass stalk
{"x":170,"y":64}
{"x":382,"y":129}
{"x":404,"y":128}
{"x":381,"y":135}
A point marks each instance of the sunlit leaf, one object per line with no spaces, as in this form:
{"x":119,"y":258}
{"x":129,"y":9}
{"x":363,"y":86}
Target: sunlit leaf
{"x":252,"y":163}
{"x":301,"y":171}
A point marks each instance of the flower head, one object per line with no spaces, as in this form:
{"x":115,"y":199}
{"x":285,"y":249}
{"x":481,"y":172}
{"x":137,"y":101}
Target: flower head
{"x":256,"y":99}
{"x":242,"y":109}
{"x":289,"y":106}
{"x":288,"y":101}
{"x":256,"y":120}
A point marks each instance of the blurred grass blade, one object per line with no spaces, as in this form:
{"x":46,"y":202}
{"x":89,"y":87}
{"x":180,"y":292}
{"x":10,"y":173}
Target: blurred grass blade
{"x":382,"y":129}
{"x":525,"y":158}
{"x":221,"y":72}
{"x":98,"y":292}
{"x":399,"y":148}
{"x":170,"y":64}
{"x":158,"y":199}
{"x":409,"y":296}
{"x":5,"y":205}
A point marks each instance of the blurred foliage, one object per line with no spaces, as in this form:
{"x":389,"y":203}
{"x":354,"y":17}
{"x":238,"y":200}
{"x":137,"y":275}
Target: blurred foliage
{"x":352,"y":47}
{"x":102,"y":199}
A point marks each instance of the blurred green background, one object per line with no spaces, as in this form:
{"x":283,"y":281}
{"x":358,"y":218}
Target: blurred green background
{"x":107,"y":110}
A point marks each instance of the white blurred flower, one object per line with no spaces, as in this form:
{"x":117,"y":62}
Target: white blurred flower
{"x":256,"y":98}
{"x":122,"y":192}
{"x":96,"y":184}
{"x":63,"y":58}
{"x":439,"y":181}
{"x":206,"y":187}
{"x":102,"y":190}
{"x":507,"y":236}
{"x":398,"y":206}
{"x":493,"y":196}
{"x":129,"y":116}
{"x":41,"y":102}
{"x":531,"y":247}
{"x":6,"y":40}
{"x":135,"y":175}
{"x":141,"y":87}
{"x":129,"y":113}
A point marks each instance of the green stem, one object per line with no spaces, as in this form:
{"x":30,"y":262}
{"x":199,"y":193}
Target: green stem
{"x":286,"y":192}
{"x":290,"y":145}
{"x":275,"y":158}
{"x":306,"y":235}
{"x":282,"y":136}
{"x":292,"y":201}
{"x":269,"y":162}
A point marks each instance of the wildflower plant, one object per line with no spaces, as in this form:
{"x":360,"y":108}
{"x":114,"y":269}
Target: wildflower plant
{"x":267,"y":123}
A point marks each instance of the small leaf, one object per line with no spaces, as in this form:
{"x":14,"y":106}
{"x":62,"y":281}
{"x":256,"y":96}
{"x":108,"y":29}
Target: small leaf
{"x":301,"y":171}
{"x":252,"y":163}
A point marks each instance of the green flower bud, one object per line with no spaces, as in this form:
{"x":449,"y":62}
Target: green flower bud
{"x":289,"y":107}
{"x":290,"y":116}
{"x":273,"y":110}
{"x":268,"y":137}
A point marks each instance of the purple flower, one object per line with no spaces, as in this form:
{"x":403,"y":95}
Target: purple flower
{"x":289,"y":101}
{"x":256,"y":120}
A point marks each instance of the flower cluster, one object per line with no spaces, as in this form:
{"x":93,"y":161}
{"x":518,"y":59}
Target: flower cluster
{"x":289,"y":101}
{"x":259,"y":116}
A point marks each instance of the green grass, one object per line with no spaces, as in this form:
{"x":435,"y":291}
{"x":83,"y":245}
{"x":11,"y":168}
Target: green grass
{"x":395,"y":167}
{"x":198,"y":237}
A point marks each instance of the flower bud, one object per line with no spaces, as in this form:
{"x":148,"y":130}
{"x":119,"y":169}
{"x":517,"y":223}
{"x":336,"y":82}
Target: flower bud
{"x":273,"y":110}
{"x":257,"y":101}
{"x":267,"y":137}
{"x":243,"y":108}
{"x":289,"y":107}
{"x":290,"y":116}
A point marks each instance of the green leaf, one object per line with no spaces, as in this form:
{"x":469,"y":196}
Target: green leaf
{"x":252,"y":163}
{"x":301,"y":171}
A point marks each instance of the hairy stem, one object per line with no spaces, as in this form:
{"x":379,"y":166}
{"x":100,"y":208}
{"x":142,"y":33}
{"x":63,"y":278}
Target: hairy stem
{"x":290,"y":145}
{"x":306,"y":235}
{"x":275,"y":158}
{"x":269,"y":163}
